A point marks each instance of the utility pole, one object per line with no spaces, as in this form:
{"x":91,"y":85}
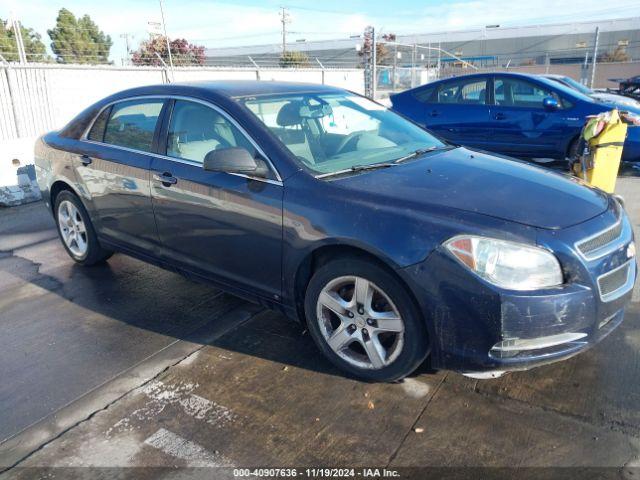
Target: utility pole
{"x":374,"y":66}
{"x":395,"y":66}
{"x":585,"y":69}
{"x":594,"y":60}
{"x":166,"y":37}
{"x":369,"y":62}
{"x":414,"y":59}
{"x":284,"y":19}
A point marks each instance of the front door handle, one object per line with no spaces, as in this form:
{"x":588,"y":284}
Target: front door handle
{"x":85,"y":160}
{"x":500,"y":116}
{"x":165,"y":178}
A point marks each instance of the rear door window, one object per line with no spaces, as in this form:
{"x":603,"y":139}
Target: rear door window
{"x":132,"y":124}
{"x":467,"y":92}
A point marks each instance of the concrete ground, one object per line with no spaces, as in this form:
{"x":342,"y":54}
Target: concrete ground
{"x":127,"y":365}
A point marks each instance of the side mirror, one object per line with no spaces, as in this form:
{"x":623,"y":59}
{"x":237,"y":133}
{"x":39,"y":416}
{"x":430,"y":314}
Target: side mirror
{"x":550,"y":103}
{"x":234,"y":160}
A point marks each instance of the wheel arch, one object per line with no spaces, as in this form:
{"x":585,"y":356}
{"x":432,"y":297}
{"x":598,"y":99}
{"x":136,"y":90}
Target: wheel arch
{"x":570,"y":143}
{"x":57,"y":187}
{"x":322,"y":254}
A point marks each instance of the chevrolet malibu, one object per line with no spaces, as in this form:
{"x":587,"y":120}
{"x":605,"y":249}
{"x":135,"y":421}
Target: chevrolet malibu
{"x":387,"y":243}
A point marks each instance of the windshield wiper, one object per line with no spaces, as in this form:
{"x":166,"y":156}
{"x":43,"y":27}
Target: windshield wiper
{"x":417,"y":153}
{"x":357,"y":168}
{"x":372,"y":166}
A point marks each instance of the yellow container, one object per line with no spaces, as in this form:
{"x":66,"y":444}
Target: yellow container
{"x":601,"y":169}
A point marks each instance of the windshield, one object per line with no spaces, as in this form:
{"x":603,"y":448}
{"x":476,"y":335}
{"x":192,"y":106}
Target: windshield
{"x":338,"y":131}
{"x":577,"y":85}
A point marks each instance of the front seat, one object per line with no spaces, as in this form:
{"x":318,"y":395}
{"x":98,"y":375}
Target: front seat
{"x":301,"y":141}
{"x":195,"y":134}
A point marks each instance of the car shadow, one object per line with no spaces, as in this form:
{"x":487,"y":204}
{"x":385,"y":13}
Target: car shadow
{"x":267,"y":334}
{"x":147,"y":297}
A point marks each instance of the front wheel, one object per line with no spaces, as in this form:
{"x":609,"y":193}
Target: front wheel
{"x":364,"y":320}
{"x":76,"y":230}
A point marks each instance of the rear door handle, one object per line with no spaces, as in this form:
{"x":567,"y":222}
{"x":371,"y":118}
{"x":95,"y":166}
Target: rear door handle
{"x":500,"y":116}
{"x":85,"y":160}
{"x":165,"y":178}
{"x":434,"y":113}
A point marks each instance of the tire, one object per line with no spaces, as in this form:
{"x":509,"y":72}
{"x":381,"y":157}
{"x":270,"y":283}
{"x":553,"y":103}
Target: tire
{"x":76,"y":230}
{"x":573,"y":148}
{"x":384,"y":348}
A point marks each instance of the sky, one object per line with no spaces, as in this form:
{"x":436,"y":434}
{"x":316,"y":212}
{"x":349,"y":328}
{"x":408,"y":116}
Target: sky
{"x":249,"y":22}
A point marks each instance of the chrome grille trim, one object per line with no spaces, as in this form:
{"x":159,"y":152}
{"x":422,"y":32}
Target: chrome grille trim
{"x":601,"y":243}
{"x":617,"y":282}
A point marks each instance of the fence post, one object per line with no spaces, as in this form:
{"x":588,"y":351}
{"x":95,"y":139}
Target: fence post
{"x":257,"y":67}
{"x":594,"y":60}
{"x":17,"y":124}
{"x":322,"y":67}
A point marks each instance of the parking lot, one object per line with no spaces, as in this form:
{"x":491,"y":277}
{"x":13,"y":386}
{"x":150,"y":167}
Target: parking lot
{"x":127,"y":365}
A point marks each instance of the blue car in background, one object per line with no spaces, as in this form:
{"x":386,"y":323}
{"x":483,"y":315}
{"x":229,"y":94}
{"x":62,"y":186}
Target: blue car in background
{"x":525,"y":116}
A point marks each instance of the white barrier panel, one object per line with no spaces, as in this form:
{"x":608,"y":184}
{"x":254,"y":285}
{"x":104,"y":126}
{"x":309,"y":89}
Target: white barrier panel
{"x":37,"y":98}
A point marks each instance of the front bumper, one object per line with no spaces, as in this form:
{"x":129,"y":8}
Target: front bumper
{"x":477,"y":327}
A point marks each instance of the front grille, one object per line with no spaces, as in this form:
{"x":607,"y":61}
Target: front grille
{"x":613,"y":281}
{"x":590,"y":246}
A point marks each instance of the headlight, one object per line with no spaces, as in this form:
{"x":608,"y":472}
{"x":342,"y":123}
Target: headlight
{"x":507,"y":264}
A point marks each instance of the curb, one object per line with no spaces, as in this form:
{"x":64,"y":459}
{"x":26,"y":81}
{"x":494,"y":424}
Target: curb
{"x":24,"y":191}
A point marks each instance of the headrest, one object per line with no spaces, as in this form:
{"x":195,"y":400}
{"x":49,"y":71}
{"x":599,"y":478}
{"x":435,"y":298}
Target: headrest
{"x":289,"y":114}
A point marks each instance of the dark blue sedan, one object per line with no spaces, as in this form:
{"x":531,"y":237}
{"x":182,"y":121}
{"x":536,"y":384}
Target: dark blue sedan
{"x":386,"y":242}
{"x":525,"y":116}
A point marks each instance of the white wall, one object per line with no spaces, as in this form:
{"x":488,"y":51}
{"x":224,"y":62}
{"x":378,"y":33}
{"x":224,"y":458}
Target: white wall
{"x":38,"y":98}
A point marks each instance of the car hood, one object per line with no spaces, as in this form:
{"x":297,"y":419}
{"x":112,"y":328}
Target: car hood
{"x":482,"y":183}
{"x":619,"y":101}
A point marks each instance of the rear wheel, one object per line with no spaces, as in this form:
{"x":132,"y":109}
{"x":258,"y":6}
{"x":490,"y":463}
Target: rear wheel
{"x":364,"y":320}
{"x":76,"y":230}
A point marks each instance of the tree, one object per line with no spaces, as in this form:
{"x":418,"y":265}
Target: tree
{"x":382,"y":51}
{"x":183,"y":53}
{"x":294,"y":59}
{"x":33,"y":46}
{"x":618,"y":55}
{"x":79,"y":40}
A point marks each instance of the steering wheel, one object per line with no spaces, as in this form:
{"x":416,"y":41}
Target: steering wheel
{"x":347,"y":139}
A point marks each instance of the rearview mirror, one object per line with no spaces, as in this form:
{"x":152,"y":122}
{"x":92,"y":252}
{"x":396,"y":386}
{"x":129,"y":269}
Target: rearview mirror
{"x":234,"y":160}
{"x":550,"y":103}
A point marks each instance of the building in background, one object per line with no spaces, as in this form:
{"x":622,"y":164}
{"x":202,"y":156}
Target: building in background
{"x":488,"y":47}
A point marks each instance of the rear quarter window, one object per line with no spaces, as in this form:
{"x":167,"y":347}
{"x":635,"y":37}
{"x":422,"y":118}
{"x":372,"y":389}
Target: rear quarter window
{"x":424,"y":95}
{"x":97,"y":130}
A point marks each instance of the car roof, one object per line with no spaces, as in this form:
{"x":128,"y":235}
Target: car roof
{"x":487,"y":74}
{"x":231,"y":88}
{"x":527,"y":76}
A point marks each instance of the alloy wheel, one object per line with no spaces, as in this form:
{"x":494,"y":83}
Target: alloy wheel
{"x":360,"y":323}
{"x":72,"y":228}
